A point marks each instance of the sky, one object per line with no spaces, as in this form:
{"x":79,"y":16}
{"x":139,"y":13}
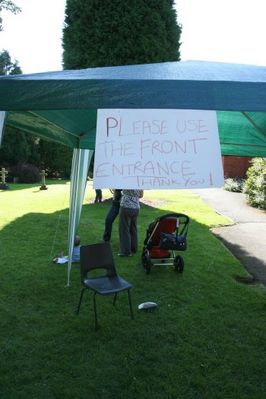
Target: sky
{"x":212,"y":30}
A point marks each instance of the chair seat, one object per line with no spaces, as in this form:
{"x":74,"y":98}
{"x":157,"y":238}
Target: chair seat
{"x":99,"y":257}
{"x":107,"y":285}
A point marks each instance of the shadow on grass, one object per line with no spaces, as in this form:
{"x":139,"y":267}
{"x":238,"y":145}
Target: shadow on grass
{"x":256,"y":267}
{"x":43,"y":236}
{"x":194,"y":345}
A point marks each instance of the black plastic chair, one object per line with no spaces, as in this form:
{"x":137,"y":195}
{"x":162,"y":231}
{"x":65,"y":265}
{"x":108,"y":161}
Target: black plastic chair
{"x":100,"y":256}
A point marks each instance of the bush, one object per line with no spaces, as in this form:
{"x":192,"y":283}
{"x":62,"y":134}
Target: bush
{"x":255,"y":185}
{"x":235,"y":185}
{"x":26,"y":173}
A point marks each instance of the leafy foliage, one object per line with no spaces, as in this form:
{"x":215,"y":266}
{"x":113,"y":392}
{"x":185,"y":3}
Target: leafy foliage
{"x":234,"y":184}
{"x":21,"y":148}
{"x":115,"y":32}
{"x":8,"y":5}
{"x":255,"y":185}
{"x":25,"y":145}
{"x":7,"y":67}
{"x":56,"y":158}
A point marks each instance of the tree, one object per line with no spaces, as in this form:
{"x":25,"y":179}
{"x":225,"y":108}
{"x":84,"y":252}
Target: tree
{"x":8,"y":6}
{"x":7,"y":67}
{"x":29,"y":149}
{"x":119,"y":32}
{"x":14,"y":139}
{"x":55,"y":158}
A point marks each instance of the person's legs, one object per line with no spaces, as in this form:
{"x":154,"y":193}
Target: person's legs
{"x":96,"y":196}
{"x":124,"y":231}
{"x":134,"y":231}
{"x":100,"y":196}
{"x":110,"y":217}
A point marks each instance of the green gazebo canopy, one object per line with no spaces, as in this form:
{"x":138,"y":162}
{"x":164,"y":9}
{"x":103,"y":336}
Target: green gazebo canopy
{"x":62,"y":106}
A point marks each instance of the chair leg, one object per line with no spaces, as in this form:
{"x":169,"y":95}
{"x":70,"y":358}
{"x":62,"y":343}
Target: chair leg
{"x":80,"y":299}
{"x":114,"y":300}
{"x":95,"y":312}
{"x":130,"y":304}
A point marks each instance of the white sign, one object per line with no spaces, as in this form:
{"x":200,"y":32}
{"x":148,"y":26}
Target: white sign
{"x":157,"y":149}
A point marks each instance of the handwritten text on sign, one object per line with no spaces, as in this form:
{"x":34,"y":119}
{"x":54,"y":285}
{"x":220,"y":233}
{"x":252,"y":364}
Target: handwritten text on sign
{"x":157,"y":148}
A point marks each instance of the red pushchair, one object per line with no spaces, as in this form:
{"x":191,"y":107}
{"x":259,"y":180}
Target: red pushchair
{"x":166,"y":235}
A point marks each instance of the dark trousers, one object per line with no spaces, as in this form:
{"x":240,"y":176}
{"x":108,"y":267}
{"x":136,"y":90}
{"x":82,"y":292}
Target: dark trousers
{"x":99,"y":196}
{"x":110,"y":217}
{"x":128,"y":233}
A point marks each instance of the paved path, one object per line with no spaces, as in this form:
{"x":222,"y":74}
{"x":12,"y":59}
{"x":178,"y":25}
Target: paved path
{"x":246,"y":238}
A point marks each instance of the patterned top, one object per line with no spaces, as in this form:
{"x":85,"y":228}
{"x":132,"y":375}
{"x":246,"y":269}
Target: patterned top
{"x":130,"y":198}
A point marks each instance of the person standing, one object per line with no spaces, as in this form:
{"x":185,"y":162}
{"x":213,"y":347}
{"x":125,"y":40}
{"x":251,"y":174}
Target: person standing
{"x":98,"y":196}
{"x":129,"y":211}
{"x":112,"y":214}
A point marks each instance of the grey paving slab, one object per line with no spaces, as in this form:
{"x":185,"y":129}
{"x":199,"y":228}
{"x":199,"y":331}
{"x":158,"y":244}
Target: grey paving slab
{"x":246,"y":238}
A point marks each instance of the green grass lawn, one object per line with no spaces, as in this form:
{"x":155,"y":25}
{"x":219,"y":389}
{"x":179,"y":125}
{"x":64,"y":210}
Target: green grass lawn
{"x":205,"y":340}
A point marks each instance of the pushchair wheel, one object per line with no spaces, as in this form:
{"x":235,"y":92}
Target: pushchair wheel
{"x":179,"y":264}
{"x":146,"y":262}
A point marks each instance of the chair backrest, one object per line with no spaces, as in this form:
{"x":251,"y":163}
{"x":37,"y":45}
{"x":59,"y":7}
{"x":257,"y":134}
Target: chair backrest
{"x":97,"y":256}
